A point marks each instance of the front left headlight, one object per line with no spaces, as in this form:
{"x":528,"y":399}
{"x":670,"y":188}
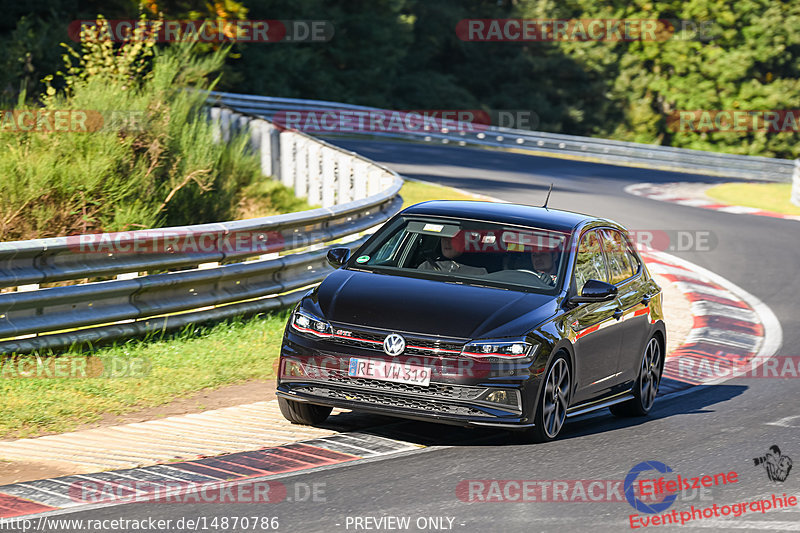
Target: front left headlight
{"x":305,"y":322}
{"x":499,"y":348}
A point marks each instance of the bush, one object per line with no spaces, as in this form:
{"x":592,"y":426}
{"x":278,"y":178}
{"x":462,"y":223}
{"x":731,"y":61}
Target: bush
{"x":152,"y":162}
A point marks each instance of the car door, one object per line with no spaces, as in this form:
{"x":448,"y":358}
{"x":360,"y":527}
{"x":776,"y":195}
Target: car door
{"x":596,"y":326}
{"x":625,"y":271}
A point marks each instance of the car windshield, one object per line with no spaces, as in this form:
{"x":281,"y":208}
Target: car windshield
{"x":469,"y":252}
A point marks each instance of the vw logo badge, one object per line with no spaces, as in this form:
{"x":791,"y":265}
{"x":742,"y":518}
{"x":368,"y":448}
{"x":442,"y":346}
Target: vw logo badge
{"x":394,"y":344}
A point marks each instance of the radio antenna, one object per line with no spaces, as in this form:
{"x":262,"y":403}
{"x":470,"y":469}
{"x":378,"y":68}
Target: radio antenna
{"x":548,"y":196}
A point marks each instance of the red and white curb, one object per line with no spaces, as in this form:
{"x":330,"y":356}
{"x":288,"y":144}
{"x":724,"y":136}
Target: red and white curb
{"x":693,"y":195}
{"x":209,"y":480}
{"x":732,"y":329}
{"x":176,"y":438}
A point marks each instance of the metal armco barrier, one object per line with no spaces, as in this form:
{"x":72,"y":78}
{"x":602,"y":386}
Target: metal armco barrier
{"x":167,"y":278}
{"x":601,"y":150}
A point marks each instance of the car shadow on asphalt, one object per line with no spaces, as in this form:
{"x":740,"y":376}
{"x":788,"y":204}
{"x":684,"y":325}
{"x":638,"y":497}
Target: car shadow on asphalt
{"x":698,"y":400}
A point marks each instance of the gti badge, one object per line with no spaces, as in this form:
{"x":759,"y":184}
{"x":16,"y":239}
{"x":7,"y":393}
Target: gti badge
{"x":394,"y":344}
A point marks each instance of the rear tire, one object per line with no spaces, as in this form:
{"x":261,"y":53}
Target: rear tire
{"x":646,"y":388}
{"x":303,"y":413}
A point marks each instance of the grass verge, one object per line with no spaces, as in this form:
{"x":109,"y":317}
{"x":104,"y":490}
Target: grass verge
{"x":414,"y":192}
{"x":164,"y":368}
{"x":767,"y":196}
{"x":135,"y":374}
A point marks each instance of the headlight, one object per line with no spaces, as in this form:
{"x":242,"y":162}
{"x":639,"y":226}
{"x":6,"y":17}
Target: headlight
{"x":305,"y":322}
{"x":508,"y":349}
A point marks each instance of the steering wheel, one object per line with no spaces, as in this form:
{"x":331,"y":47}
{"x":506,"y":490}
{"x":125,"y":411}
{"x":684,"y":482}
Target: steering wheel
{"x":543,"y":277}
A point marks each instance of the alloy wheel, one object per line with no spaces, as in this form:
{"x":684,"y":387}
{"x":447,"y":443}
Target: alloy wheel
{"x":556,"y":397}
{"x":650,"y":374}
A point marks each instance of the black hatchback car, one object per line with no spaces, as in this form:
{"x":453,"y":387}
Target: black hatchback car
{"x":482,"y":314}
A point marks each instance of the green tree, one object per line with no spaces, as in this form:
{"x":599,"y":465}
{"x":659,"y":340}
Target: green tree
{"x":747,"y":60}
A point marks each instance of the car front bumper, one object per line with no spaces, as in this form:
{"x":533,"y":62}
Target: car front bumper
{"x":316,"y":372}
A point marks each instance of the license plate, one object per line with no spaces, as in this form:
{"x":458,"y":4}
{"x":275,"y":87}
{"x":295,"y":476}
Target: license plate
{"x":389,"y":371}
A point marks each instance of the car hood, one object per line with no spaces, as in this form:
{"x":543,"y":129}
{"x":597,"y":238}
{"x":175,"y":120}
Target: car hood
{"x":413,"y":305}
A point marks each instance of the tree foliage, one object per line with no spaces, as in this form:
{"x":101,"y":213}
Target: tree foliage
{"x":405,"y":54}
{"x":747,"y":59}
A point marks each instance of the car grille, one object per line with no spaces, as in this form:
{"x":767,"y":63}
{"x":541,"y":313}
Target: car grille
{"x":371,"y":340}
{"x":443,"y":390}
{"x":391,"y":400}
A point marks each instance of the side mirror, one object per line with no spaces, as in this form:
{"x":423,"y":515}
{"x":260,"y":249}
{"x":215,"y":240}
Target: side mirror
{"x":338,"y":256}
{"x":595,"y":291}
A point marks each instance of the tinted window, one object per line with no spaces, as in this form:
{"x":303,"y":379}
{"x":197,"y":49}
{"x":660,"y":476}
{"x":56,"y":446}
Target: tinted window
{"x":467,"y":251}
{"x":589,"y":263}
{"x":634,"y":260}
{"x":617,"y":255}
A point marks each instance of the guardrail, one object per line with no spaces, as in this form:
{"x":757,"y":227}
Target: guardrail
{"x":602,"y":150}
{"x":167,"y":278}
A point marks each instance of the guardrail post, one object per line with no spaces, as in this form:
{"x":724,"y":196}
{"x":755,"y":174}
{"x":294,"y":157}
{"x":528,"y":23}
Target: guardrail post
{"x":272,"y":138}
{"x":265,"y":141}
{"x":359,"y":180}
{"x":796,"y":183}
{"x":244,"y":123}
{"x":255,"y":132}
{"x":287,"y":142}
{"x":328,"y":177}
{"x":214,"y":114}
{"x":301,"y":164}
{"x":314,"y":174}
{"x":343,"y":175}
{"x":225,"y":123}
{"x":234,"y":127}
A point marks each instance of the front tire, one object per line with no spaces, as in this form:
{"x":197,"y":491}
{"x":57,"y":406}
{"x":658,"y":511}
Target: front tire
{"x":551,"y":412}
{"x":303,"y":413}
{"x":646,"y":388}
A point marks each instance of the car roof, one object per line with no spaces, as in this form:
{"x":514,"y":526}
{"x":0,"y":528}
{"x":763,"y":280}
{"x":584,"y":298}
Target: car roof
{"x":540,"y":217}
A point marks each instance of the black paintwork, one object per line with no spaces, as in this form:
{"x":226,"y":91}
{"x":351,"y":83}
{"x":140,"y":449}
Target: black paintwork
{"x":604,"y":339}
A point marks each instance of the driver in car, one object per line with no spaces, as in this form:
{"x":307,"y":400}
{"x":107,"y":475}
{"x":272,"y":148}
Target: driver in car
{"x":451,"y":249}
{"x":546,"y":265}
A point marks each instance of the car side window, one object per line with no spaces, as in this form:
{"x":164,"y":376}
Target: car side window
{"x":634,"y":259}
{"x":619,"y":262}
{"x":389,"y":252}
{"x":589,"y":262}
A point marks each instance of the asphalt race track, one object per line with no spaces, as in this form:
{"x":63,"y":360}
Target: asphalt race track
{"x":706,"y":431}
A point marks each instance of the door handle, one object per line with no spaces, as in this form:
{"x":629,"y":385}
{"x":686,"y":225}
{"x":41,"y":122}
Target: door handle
{"x":617,"y":313}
